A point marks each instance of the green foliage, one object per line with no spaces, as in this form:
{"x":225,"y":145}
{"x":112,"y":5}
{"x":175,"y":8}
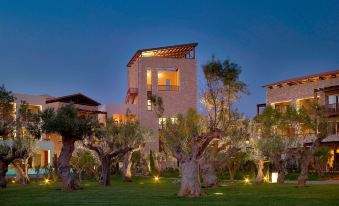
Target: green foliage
{"x":223,"y":88}
{"x":7,"y":109}
{"x":158,"y":104}
{"x":66,"y":122}
{"x":180,"y":134}
{"x":83,"y":161}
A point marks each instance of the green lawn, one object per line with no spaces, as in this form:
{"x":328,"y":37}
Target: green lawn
{"x":143,"y":191}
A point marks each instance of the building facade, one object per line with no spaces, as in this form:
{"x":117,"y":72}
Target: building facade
{"x":169,"y":72}
{"x":322,"y":88}
{"x":49,"y":146}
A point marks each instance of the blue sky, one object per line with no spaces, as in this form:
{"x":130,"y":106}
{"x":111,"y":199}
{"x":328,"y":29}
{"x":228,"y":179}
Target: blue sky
{"x":63,"y":47}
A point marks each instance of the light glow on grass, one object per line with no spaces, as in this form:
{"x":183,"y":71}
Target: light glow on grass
{"x":218,"y":193}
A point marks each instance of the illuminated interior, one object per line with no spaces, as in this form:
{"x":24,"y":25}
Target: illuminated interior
{"x":306,"y":103}
{"x":121,"y":118}
{"x":34,"y":109}
{"x":149,"y":77}
{"x":168,"y":79}
{"x":281,"y":106}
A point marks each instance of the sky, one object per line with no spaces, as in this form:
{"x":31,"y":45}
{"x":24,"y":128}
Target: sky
{"x":64,"y":47}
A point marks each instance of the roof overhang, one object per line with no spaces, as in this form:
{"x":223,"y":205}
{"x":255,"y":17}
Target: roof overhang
{"x":304,"y":79}
{"x":175,"y":51}
{"x":74,"y":98}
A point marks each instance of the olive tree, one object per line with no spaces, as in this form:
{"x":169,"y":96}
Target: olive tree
{"x":66,"y":122}
{"x":135,"y":137}
{"x":318,"y":123}
{"x":12,"y":146}
{"x":27,"y":126}
{"x":223,"y":88}
{"x":187,"y":139}
{"x":106,"y":143}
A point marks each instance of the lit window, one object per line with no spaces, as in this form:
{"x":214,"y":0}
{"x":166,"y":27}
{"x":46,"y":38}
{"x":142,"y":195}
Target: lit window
{"x":174,"y":120}
{"x":162,"y":122}
{"x":149,"y":105}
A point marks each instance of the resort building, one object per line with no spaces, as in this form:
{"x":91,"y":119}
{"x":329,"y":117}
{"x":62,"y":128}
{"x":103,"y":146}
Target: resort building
{"x":49,"y":146}
{"x":169,"y":72}
{"x":299,"y":92}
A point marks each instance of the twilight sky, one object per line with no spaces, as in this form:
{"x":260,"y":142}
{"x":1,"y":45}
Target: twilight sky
{"x":64,"y":47}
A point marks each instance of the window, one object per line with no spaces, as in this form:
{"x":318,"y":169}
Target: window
{"x":149,"y":80}
{"x":163,"y":120}
{"x":149,"y":105}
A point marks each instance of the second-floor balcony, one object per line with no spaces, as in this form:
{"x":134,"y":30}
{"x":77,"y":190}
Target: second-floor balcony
{"x":168,"y":87}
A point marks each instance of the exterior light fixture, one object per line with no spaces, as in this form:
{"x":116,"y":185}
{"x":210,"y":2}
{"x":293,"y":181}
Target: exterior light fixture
{"x":46,"y":181}
{"x":274,"y":177}
{"x":246,"y":180}
{"x":218,"y":193}
{"x":265,"y":179}
{"x":156,"y":179}
{"x":13,"y":181}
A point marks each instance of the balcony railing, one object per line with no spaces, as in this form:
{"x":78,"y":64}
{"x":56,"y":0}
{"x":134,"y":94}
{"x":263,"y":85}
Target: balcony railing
{"x":332,"y":109}
{"x":168,"y":87}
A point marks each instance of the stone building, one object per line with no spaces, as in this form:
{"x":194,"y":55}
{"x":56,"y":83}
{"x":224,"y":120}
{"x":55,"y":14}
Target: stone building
{"x":299,"y":92}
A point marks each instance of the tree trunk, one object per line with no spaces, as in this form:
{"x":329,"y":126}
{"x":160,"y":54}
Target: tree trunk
{"x":190,"y":182}
{"x":207,"y":169}
{"x":305,"y":161}
{"x":79,"y":176}
{"x":126,"y":167}
{"x":281,"y":173}
{"x":106,"y":171}
{"x":64,"y":168}
{"x":279,"y":165}
{"x":21,"y":173}
{"x":260,"y":174}
{"x":231,"y":171}
{"x":3,"y":171}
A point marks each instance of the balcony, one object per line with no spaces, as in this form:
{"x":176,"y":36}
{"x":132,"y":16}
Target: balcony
{"x":168,"y":87}
{"x":332,"y":109}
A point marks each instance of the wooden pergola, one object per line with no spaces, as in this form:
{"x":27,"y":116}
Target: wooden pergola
{"x":177,"y":51}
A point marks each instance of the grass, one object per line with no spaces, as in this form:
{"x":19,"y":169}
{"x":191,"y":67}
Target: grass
{"x":143,"y":191}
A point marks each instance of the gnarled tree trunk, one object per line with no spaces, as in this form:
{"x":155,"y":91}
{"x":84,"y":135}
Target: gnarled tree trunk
{"x":22,"y":171}
{"x":3,"y":171}
{"x":305,"y":161}
{"x":232,"y":168}
{"x":190,"y":181}
{"x":106,"y":170}
{"x":207,"y":169}
{"x":260,"y":174}
{"x":126,"y":167}
{"x":279,"y":165}
{"x":64,"y":167}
